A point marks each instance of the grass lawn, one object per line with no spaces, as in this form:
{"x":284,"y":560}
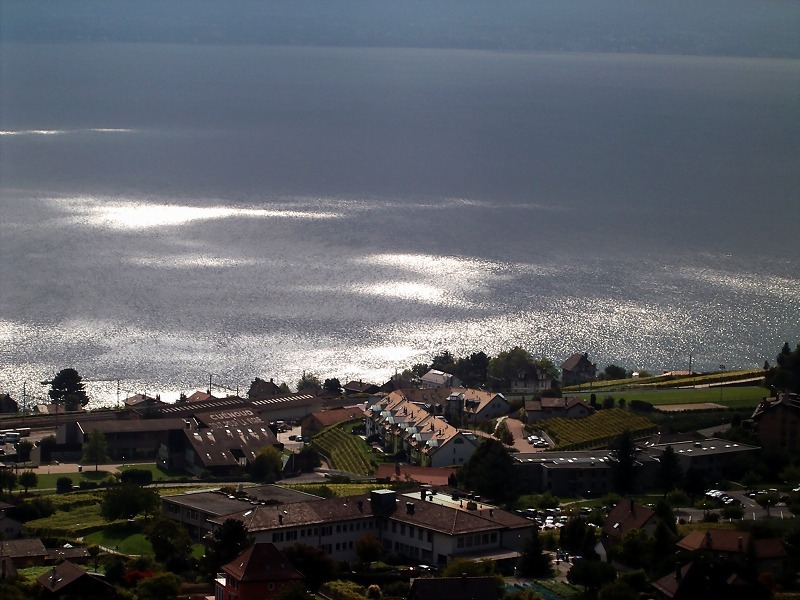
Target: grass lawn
{"x":124,"y":537}
{"x":48,"y":480}
{"x":73,"y":522}
{"x":730,"y":397}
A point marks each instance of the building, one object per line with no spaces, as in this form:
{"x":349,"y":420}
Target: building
{"x":566,"y":473}
{"x":701,"y":580}
{"x":709,"y":458}
{"x":777,"y":421}
{"x":25,"y":552}
{"x":428,"y":527}
{"x":70,"y":582}
{"x":439,"y":476}
{"x":550,"y":408}
{"x":735,"y":546}
{"x":531,"y":380}
{"x":194,"y":510}
{"x":263,"y":389}
{"x":360,"y":387}
{"x":423,"y":437}
{"x":439,"y":379}
{"x":475,"y":406}
{"x":577,"y":369}
{"x":126,"y":439}
{"x":259,"y":573}
{"x":314,"y":423}
{"x":454,"y":588}
{"x":142,"y":402}
{"x":624,"y":517}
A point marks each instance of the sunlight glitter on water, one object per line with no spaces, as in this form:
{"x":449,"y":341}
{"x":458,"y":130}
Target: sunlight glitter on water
{"x":129,"y":216}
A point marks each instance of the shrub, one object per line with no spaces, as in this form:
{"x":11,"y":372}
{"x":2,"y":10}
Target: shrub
{"x":63,"y":484}
{"x":137,"y":476}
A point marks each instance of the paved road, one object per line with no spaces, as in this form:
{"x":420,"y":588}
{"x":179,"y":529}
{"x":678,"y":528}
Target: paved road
{"x":517,"y":429}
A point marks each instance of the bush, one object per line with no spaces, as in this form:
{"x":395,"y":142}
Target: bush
{"x":137,"y":476}
{"x":63,"y":485}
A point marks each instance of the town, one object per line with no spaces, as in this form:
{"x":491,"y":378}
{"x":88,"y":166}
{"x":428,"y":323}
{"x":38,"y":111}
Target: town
{"x":444,"y":482}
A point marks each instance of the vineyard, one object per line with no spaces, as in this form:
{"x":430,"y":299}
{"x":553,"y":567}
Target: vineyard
{"x":595,"y":431}
{"x":662,"y":381}
{"x":344,"y":451}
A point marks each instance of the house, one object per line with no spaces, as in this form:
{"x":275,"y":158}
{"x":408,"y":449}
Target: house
{"x":25,"y":552}
{"x":565,"y":473}
{"x":454,"y":588}
{"x":69,"y":582}
{"x":359,"y":387}
{"x":142,"y":402}
{"x":258,"y":573}
{"x":475,"y":406}
{"x":199,"y":396}
{"x":439,"y":379}
{"x":735,"y":547}
{"x":531,"y":380}
{"x":577,"y":369}
{"x":424,"y":526}
{"x":702,"y":580}
{"x":624,"y":517}
{"x":263,"y":389}
{"x":777,"y":420}
{"x":550,"y":408}
{"x":312,"y":424}
{"x":287,"y":407}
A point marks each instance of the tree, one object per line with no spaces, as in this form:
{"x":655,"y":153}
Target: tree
{"x":490,"y":471}
{"x":623,"y":462}
{"x":140,"y":477}
{"x":63,"y":485}
{"x":471,"y":568}
{"x":316,"y":564}
{"x":614,"y":372}
{"x":28,"y":479}
{"x":293,"y":591}
{"x":228,"y":542}
{"x":310,"y":382}
{"x":159,"y":587}
{"x":506,"y":365}
{"x":503,"y":433}
{"x":669,"y":471}
{"x":368,"y":548}
{"x":23,"y":448}
{"x":533,"y":561}
{"x":591,"y":574}
{"x":785,"y":375}
{"x":332,"y":385}
{"x":768,"y":500}
{"x":127,"y":501}
{"x":170,"y":541}
{"x":67,"y":388}
{"x":635,"y":549}
{"x":94,"y":450}
{"x":617,"y":590}
{"x":267,"y":466}
{"x":8,"y":480}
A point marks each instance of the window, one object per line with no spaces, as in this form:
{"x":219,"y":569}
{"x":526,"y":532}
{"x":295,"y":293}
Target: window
{"x":270,"y":586}
{"x":460,"y":542}
{"x":430,"y":536}
{"x":193,"y":514}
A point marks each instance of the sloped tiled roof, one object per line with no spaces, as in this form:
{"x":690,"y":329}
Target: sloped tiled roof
{"x":734,"y":542}
{"x":262,"y":562}
{"x":626,"y":515}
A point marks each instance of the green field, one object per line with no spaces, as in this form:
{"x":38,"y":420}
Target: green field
{"x":159,"y":473}
{"x":123,"y":537}
{"x":344,"y":450}
{"x":729,"y":397}
{"x":47,"y":481}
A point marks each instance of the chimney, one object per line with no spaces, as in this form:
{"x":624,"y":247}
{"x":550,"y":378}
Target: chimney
{"x":422,"y":494}
{"x":409,"y":508}
{"x":280,"y":519}
{"x":53,"y":578}
{"x":708,"y":539}
{"x":360,"y":506}
{"x":741,"y":544}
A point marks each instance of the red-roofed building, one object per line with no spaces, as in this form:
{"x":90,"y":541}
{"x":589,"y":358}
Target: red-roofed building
{"x":258,"y":573}
{"x":734,"y":546}
{"x":439,"y":476}
{"x":624,"y":517}
{"x":550,"y":408}
{"x":577,"y":369}
{"x":312,"y":424}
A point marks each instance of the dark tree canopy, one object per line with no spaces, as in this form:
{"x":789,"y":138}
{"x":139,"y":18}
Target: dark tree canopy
{"x":533,"y":561}
{"x":67,"y":388}
{"x":313,"y":562}
{"x":623,"y":464}
{"x":490,"y":471}
{"x":785,"y":375}
{"x":228,"y":542}
{"x":127,"y":501}
{"x":94,"y":450}
{"x":614,"y":372}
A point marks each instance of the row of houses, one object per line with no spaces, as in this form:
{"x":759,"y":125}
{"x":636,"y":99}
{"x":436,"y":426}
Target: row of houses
{"x":417,"y":423}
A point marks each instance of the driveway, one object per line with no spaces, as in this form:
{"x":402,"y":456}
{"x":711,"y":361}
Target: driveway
{"x":517,"y":429}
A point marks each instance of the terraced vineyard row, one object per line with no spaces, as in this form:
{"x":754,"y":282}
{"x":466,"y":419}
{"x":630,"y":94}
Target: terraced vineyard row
{"x":342,"y":450}
{"x":597,"y":430}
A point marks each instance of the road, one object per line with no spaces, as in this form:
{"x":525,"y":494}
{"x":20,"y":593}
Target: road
{"x":517,"y":429}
